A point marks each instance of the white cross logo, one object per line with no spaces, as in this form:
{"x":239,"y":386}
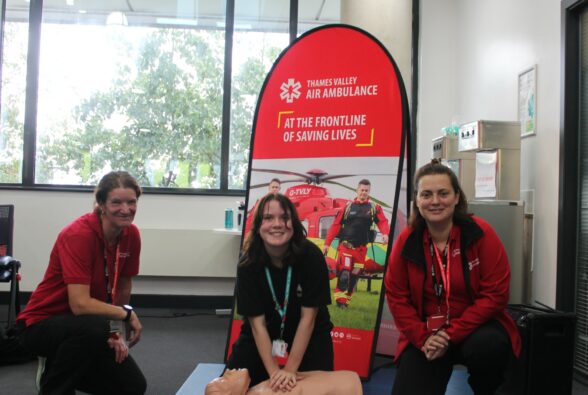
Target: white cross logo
{"x":290,"y":90}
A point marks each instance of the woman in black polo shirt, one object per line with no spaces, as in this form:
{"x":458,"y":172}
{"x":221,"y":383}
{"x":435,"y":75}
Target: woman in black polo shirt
{"x":282,"y":293}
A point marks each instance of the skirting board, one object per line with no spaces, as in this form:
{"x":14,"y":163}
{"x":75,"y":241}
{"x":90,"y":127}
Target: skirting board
{"x":204,"y":302}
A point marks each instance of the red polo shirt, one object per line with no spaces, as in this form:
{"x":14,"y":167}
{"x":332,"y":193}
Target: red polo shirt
{"x":78,"y":258}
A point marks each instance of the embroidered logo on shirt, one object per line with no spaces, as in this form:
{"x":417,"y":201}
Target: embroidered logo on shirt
{"x":124,"y":254}
{"x":455,"y":252}
{"x":299,"y":291}
{"x":474,"y":263}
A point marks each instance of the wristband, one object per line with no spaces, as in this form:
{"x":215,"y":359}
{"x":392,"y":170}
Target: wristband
{"x":129,"y":310}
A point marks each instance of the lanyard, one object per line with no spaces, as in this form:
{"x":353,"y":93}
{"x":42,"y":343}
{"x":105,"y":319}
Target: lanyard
{"x":111,"y":292}
{"x":444,"y":271}
{"x":281,"y":310}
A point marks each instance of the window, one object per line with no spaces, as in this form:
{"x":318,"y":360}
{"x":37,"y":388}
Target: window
{"x":324,"y":225}
{"x":12,"y":101}
{"x":257,"y":42}
{"x":165,"y":90}
{"x":572,"y":259}
{"x":581,"y":355}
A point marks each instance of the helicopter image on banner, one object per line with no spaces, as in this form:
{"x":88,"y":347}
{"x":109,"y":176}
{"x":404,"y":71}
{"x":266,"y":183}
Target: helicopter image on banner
{"x":317,"y":210}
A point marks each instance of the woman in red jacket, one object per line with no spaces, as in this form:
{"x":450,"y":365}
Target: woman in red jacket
{"x":447,"y":286}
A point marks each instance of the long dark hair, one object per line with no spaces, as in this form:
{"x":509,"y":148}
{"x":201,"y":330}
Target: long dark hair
{"x":253,"y":251}
{"x":113,"y":180}
{"x":460,"y":215}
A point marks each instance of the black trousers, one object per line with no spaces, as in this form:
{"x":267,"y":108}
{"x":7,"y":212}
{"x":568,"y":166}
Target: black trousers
{"x":78,"y":357}
{"x":318,"y":356}
{"x":485,"y":353}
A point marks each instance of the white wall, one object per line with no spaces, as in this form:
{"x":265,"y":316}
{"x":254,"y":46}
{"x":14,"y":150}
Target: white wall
{"x":471,"y":52}
{"x":40,"y":215}
{"x":390,"y":21}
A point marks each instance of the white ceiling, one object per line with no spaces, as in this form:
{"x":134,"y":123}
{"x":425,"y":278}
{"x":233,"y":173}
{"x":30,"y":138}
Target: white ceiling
{"x":257,"y":14}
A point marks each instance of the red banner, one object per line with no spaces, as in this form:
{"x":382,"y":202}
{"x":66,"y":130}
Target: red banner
{"x":333,"y":113}
{"x":331,"y":94}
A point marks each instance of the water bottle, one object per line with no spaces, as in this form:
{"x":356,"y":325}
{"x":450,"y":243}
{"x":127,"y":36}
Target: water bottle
{"x":229,"y":218}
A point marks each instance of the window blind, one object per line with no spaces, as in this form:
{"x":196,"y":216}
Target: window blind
{"x":581,"y":355}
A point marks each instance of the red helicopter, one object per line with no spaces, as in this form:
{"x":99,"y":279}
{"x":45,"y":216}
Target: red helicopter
{"x":317,"y":210}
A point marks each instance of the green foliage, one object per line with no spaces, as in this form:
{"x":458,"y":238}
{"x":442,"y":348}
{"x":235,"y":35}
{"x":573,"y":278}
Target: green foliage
{"x":162,"y":114}
{"x":10,"y":146}
{"x":11,"y":124}
{"x":160,"y":118}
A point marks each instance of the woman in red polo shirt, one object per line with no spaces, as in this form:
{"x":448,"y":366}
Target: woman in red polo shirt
{"x":73,"y":318}
{"x":447,"y":286}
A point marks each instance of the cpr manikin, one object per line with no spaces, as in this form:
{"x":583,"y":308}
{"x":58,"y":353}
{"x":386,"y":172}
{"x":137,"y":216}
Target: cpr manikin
{"x":232,"y":382}
{"x":236,"y":382}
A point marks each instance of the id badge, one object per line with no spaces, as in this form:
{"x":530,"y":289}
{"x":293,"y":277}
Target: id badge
{"x":279,"y":348}
{"x":436,"y":322}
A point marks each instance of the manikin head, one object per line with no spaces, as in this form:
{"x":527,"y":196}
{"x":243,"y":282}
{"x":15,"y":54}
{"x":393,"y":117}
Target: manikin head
{"x":232,"y":382}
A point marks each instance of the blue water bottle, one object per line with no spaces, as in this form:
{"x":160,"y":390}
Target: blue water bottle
{"x":229,"y":218}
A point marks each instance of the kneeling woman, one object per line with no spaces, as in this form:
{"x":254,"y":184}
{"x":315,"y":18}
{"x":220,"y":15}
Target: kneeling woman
{"x":282,"y":293}
{"x":447,"y":286}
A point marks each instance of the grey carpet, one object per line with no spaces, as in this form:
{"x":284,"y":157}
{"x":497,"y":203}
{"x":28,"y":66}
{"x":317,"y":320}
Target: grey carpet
{"x":170,"y":348}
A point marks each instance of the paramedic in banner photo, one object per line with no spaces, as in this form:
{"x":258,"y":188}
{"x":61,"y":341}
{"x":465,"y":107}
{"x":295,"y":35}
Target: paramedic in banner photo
{"x":274,"y":186}
{"x":353,"y":227}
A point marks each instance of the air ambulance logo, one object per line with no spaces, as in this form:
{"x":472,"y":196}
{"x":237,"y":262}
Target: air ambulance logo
{"x":290,"y":90}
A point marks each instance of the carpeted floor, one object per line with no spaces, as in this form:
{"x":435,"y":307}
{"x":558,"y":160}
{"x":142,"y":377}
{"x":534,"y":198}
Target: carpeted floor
{"x":172,"y":345}
{"x":174,"y":342}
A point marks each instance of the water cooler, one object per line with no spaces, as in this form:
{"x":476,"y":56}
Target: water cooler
{"x":497,"y":148}
{"x":507,"y":218}
{"x":445,"y":148}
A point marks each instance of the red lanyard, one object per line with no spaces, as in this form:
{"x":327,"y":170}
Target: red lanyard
{"x":111,"y":292}
{"x":444,"y":272}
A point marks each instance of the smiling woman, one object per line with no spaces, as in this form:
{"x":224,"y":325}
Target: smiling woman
{"x":447,"y":285}
{"x":276,"y":231}
{"x":282,"y":293}
{"x":117,"y":196}
{"x":73,"y":318}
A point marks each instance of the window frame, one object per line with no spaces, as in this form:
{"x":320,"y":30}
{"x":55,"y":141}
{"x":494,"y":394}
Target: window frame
{"x":31,"y":103}
{"x":569,"y":156}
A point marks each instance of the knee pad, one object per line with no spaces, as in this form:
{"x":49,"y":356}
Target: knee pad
{"x":343,"y":283}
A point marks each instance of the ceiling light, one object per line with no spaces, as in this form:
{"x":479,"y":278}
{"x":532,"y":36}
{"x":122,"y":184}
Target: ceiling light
{"x":116,"y":18}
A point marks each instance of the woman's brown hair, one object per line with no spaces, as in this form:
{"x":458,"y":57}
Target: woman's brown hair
{"x":113,"y":180}
{"x":253,"y":251}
